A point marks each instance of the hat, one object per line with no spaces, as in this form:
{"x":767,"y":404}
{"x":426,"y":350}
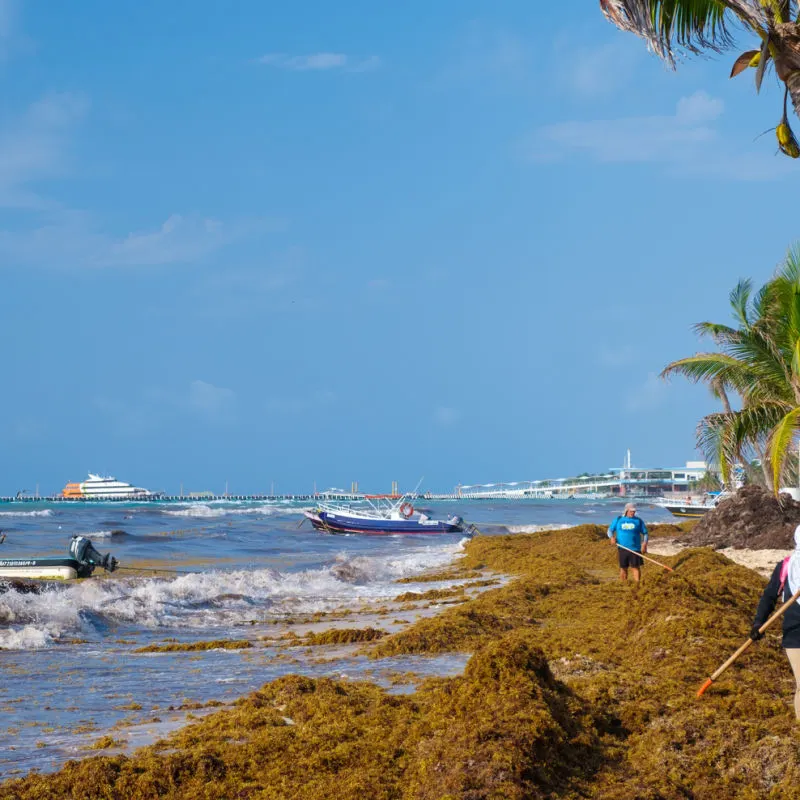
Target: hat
{"x":630,"y":506}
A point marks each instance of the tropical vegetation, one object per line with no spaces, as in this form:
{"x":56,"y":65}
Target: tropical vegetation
{"x":758,"y":364}
{"x":695,"y":26}
{"x":708,"y":483}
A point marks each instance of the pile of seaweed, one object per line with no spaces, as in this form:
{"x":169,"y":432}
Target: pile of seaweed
{"x":578,"y":686}
{"x":752,"y":518}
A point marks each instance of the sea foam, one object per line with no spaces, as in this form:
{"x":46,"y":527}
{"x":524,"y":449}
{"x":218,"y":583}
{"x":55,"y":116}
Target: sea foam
{"x":43,"y":512}
{"x":203,"y":600}
{"x":205,"y":511}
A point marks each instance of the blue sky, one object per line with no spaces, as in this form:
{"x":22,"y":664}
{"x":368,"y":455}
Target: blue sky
{"x":280,"y":244}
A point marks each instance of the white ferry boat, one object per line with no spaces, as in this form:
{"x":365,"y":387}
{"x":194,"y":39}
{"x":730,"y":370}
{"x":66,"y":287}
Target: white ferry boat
{"x":98,"y":487}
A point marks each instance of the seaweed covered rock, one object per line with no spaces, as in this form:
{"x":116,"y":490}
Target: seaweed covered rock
{"x":753,"y":518}
{"x":506,"y":729}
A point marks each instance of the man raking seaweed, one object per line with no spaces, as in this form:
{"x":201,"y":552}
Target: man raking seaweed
{"x":629,"y":533}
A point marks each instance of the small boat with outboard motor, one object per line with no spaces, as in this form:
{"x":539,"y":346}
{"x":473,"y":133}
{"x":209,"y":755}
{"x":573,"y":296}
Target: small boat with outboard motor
{"x":389,"y":518}
{"x":693,"y":507}
{"x":81,"y":561}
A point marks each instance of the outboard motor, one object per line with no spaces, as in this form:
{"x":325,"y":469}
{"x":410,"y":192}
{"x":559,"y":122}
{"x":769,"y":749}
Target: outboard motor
{"x":83,"y":551}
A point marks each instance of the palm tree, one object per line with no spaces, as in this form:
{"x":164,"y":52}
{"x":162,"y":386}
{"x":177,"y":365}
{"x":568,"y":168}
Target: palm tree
{"x":697,"y":25}
{"x":759,"y":361}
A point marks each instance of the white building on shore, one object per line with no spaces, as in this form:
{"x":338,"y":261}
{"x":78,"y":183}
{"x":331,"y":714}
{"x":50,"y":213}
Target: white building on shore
{"x":626,"y":481}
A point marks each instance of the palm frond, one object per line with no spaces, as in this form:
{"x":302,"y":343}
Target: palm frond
{"x":711,"y":441}
{"x":692,"y":25}
{"x":782,"y":437}
{"x":754,"y":382}
{"x":708,"y":367}
{"x":719,"y":333}
{"x":740,"y":302}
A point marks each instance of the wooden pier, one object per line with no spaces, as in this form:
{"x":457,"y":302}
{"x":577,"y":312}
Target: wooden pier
{"x":193,"y":498}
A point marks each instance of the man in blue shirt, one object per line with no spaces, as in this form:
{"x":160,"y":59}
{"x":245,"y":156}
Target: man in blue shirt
{"x":631,"y":532}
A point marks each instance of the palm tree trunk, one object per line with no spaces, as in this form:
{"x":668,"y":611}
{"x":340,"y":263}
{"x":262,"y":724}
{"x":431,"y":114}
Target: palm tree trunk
{"x":787,"y":59}
{"x":793,"y":85}
{"x":766,"y":470}
{"x":719,"y":390}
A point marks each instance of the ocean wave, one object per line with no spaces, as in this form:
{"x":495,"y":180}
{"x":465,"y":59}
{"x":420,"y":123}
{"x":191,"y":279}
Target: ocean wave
{"x":537,"y":528}
{"x":44,"y":512}
{"x":112,"y":534}
{"x":206,"y":600}
{"x":206,"y":511}
{"x":28,"y":637}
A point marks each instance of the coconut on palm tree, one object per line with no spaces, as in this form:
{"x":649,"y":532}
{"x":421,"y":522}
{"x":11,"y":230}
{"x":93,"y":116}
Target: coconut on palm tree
{"x":758,"y":361}
{"x":697,"y":25}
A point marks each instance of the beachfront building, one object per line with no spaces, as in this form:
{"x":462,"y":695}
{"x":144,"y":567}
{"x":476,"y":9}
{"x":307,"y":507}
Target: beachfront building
{"x":627,"y":481}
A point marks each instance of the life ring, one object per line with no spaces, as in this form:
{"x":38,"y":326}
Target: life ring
{"x":407,"y":510}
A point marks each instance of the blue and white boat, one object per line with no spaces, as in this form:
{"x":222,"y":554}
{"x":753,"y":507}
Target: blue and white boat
{"x":399,"y":517}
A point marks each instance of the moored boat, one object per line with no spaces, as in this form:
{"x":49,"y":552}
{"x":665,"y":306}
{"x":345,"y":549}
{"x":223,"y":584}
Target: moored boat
{"x":81,"y":562}
{"x":398,"y":518}
{"x":692,"y":507}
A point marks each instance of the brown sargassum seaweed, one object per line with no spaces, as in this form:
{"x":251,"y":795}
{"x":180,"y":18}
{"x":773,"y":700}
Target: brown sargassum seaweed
{"x":192,"y":647}
{"x":578,"y":686}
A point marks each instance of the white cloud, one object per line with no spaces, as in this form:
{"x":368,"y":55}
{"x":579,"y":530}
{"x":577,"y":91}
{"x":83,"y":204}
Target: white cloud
{"x":698,"y":108}
{"x":446,"y":417}
{"x":11,"y":39}
{"x":209,"y":400}
{"x":648,"y":395}
{"x":69,"y":239}
{"x":7,"y":24}
{"x":368,"y":64}
{"x":319,"y":62}
{"x":654,"y":138}
{"x":688,"y":142}
{"x":33,"y":148}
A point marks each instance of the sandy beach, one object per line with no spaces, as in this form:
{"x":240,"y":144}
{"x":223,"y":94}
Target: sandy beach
{"x":761,"y":561}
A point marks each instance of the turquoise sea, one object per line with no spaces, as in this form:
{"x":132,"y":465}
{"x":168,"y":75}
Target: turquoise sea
{"x":70,"y":673}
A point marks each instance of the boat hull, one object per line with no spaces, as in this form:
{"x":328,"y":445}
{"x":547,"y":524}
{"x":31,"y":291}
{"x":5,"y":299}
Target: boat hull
{"x":61,"y":569}
{"x":342,"y":523}
{"x":688,"y":510}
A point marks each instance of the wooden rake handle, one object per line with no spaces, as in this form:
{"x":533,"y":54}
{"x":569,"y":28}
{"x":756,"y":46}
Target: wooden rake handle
{"x":776,"y":616}
{"x":647,"y":558}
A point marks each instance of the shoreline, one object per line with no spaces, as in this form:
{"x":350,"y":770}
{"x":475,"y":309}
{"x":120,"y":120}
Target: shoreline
{"x":273,"y":646}
{"x":575,"y":684}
